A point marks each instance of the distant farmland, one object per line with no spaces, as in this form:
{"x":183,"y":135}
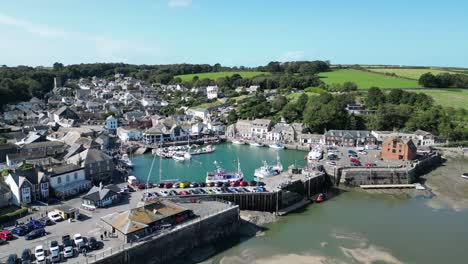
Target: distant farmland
{"x":365,"y":80}
{"x":448,"y":97}
{"x":410,"y":73}
{"x":216,"y":75}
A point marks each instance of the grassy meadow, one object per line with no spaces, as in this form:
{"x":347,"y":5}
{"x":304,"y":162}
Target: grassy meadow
{"x":216,"y":75}
{"x":457,"y":98}
{"x":409,"y":73}
{"x":365,"y":80}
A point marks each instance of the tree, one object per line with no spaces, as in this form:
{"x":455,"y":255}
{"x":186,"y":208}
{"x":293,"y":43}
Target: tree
{"x":290,"y":113}
{"x":349,"y":86}
{"x":279,"y":103}
{"x":395,"y":96}
{"x":232,"y":117}
{"x":428,"y":80}
{"x":301,"y":102}
{"x":375,"y":97}
{"x":58,"y":66}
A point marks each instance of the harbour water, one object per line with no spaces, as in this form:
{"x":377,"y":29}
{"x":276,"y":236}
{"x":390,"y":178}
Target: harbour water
{"x":353,"y":227}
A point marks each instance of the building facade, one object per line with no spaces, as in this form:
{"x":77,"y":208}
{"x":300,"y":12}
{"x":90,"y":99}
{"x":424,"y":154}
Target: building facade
{"x":394,"y":148}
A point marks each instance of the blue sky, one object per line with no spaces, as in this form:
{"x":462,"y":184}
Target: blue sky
{"x":234,"y":32}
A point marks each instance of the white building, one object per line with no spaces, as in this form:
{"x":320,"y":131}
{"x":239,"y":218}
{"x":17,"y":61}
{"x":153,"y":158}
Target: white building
{"x":212,"y":92}
{"x":127,"y":133}
{"x":68,"y":180}
{"x":201,"y":113}
{"x":111,"y":123}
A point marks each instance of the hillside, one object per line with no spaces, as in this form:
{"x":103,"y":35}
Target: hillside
{"x":365,"y":80}
{"x":412,"y":73}
{"x":216,"y":75}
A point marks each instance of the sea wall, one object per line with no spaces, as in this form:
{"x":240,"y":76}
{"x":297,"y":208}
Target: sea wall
{"x":180,"y":242}
{"x":405,"y":174}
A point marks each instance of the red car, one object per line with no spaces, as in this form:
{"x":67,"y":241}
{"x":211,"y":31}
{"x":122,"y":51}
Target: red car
{"x":368,"y":165}
{"x":183,"y":193}
{"x":243,"y":183}
{"x":141,"y":186}
{"x":168,"y":185}
{"x":353,"y":160}
{"x":234,"y":183}
{"x":6,"y":235}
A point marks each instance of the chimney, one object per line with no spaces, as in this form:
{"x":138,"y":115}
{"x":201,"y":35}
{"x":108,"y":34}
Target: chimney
{"x":100,"y":185}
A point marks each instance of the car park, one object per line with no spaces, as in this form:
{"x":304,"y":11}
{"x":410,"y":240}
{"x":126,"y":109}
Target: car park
{"x":12,"y":259}
{"x":6,"y":235}
{"x":26,"y":256}
{"x":21,"y":230}
{"x":54,"y":216}
{"x":35,"y":234}
{"x":39,"y":253}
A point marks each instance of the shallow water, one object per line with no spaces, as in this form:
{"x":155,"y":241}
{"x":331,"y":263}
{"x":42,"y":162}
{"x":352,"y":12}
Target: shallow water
{"x":353,"y":227}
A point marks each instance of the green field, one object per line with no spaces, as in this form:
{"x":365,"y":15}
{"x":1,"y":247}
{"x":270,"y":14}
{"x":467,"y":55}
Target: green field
{"x":409,"y":73}
{"x":457,"y":98}
{"x":365,"y":80}
{"x":216,"y":75}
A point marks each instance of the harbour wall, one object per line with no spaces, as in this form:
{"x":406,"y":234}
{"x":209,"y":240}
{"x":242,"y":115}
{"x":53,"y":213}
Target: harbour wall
{"x":180,"y":241}
{"x":405,"y":174}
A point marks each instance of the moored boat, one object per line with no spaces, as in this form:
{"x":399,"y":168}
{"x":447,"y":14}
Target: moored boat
{"x":315,"y":154}
{"x":320,"y":198}
{"x":256,"y":144}
{"x":267,"y":170}
{"x":277,"y":146}
{"x":465,"y":175}
{"x":220,"y":175}
{"x":238,"y":142}
{"x":126,"y":160}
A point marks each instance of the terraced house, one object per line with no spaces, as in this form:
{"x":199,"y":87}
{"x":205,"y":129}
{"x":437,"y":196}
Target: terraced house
{"x":98,"y":166}
{"x":349,"y":138}
{"x":28,"y":186}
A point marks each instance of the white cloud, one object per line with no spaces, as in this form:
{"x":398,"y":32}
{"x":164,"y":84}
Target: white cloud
{"x":179,"y":3}
{"x":41,"y":30}
{"x":293,"y":55}
{"x":97,"y":47}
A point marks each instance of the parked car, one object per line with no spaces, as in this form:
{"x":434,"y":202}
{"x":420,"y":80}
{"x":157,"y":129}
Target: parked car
{"x":164,"y":193}
{"x":226,"y":184}
{"x":39,"y":253}
{"x":46,"y":221}
{"x":21,"y":230}
{"x":3,"y":242}
{"x":370,"y":164}
{"x":362,"y":152}
{"x":173,"y":193}
{"x":26,"y":256}
{"x":184,"y":184}
{"x":354,"y":160}
{"x":356,"y":164}
{"x":68,"y":252}
{"x":36,"y":233}
{"x":253,"y":183}
{"x":194,"y":185}
{"x":54,"y":216}
{"x":260,"y":183}
{"x":77,"y":238}
{"x":81,"y":246}
{"x":161,"y":185}
{"x":12,"y":259}
{"x":218,"y":190}
{"x":141,"y":186}
{"x":259,"y":189}
{"x":202,"y":184}
{"x":243,"y":183}
{"x":210,"y":191}
{"x":35,"y":224}
{"x":219,"y":184}
{"x":54,"y":251}
{"x":168,"y":185}
{"x":234,"y":183}
{"x":201,"y":191}
{"x":183,"y":193}
{"x":66,"y":241}
{"x":93,"y":244}
{"x":6,"y":235}
{"x":210,"y":184}
{"x":246,"y":190}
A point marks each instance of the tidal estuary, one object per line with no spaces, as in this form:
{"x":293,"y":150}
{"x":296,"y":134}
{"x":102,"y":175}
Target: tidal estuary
{"x":353,"y":227}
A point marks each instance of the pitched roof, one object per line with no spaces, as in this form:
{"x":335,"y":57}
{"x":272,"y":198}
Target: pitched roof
{"x":61,"y":169}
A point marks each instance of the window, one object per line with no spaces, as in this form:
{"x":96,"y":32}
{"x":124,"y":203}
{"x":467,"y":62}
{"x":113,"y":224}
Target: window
{"x":393,"y":151}
{"x":75,"y":175}
{"x":68,"y":177}
{"x":59,"y":180}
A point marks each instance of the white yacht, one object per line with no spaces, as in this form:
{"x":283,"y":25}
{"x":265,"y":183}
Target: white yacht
{"x":126,"y":160}
{"x":256,"y":144}
{"x":465,"y":175}
{"x":182,"y":156}
{"x":277,"y":146}
{"x":238,"y":142}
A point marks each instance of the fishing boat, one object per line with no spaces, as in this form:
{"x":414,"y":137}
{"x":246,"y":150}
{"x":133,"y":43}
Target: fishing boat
{"x":465,"y":175}
{"x":277,"y":146}
{"x":267,"y":170}
{"x":126,"y":160}
{"x":315,"y":154}
{"x":220,"y":175}
{"x":256,"y":144}
{"x":238,"y":142}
